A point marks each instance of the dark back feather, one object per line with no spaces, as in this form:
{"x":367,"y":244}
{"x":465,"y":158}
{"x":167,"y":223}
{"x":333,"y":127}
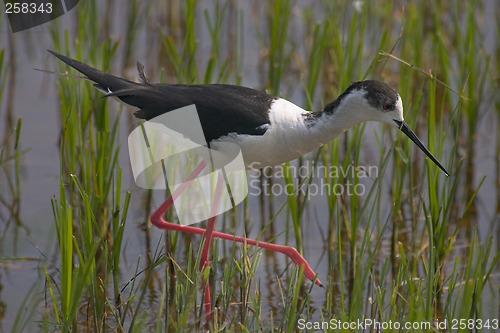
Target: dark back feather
{"x":222,"y":108}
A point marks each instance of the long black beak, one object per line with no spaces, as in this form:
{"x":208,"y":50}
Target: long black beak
{"x":413,"y":137}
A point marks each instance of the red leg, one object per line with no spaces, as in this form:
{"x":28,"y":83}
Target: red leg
{"x":204,"y":261}
{"x":157,"y":214}
{"x":290,"y":252}
{"x":158,"y":221}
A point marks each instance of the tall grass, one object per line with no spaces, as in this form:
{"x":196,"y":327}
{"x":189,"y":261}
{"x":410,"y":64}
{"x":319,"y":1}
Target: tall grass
{"x":406,"y":250}
{"x":90,"y":211}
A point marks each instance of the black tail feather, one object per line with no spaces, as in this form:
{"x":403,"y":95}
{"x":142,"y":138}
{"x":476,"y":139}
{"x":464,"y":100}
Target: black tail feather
{"x":106,"y":83}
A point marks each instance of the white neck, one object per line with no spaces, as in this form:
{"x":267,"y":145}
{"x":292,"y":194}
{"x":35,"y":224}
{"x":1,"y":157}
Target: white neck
{"x":324,"y":126}
{"x":294,"y":132}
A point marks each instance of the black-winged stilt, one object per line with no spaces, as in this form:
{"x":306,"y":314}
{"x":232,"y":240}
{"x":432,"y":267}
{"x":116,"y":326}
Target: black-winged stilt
{"x":269,"y":130}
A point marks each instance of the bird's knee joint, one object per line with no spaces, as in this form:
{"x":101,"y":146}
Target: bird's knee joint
{"x":291,"y":250}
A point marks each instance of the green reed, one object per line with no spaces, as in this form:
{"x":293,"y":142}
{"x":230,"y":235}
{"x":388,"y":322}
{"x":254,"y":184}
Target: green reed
{"x":90,"y":212}
{"x":391,"y":254}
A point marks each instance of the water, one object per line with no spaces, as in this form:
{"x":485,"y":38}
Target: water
{"x":36,"y":101}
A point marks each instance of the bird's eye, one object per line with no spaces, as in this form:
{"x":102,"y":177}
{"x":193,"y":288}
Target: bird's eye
{"x":388,"y":106}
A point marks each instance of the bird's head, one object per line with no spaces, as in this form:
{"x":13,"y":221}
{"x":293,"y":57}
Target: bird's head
{"x":377,"y":101}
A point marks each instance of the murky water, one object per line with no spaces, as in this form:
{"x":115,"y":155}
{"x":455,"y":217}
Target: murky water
{"x":27,"y":229}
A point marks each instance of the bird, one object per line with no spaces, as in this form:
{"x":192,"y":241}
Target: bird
{"x":268,"y":129}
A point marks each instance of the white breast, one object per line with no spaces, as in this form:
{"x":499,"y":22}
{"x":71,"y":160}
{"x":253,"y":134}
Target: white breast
{"x":286,"y":138}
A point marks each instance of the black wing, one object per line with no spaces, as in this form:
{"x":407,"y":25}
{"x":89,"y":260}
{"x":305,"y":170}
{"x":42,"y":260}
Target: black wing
{"x":222,"y":108}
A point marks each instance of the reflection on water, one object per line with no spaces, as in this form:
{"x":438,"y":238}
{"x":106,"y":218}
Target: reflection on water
{"x":29,"y":175}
